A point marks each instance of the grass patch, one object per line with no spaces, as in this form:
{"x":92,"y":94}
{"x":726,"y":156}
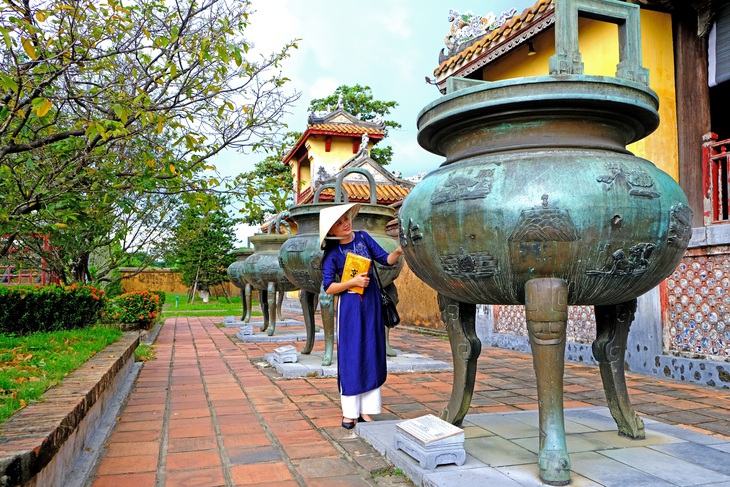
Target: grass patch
{"x":387,"y":472}
{"x":144,"y":353}
{"x":214,"y":307}
{"x":30,"y":365}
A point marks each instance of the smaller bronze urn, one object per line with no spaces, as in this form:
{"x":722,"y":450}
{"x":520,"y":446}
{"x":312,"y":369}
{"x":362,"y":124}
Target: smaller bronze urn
{"x":263,"y":271}
{"x":235,"y":274}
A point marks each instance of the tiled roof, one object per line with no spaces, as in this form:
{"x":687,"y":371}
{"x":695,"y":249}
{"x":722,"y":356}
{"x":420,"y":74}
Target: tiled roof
{"x":345,"y":128}
{"x":496,"y":37}
{"x":386,"y":194}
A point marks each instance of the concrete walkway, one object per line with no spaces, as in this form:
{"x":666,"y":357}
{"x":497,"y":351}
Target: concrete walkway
{"x":210,"y":411}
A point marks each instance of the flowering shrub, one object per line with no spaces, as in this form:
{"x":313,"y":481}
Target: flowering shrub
{"x":162,"y":296}
{"x":28,"y":309}
{"x":137,"y":308}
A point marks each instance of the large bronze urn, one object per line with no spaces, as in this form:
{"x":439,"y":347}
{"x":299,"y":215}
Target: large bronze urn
{"x":263,"y":272}
{"x":301,"y":258}
{"x":539,"y":203}
{"x":235,"y":274}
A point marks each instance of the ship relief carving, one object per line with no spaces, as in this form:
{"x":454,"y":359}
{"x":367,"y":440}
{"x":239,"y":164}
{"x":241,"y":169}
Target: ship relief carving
{"x":634,"y":264}
{"x":544,"y":224}
{"x":680,"y":225}
{"x":474,"y":265}
{"x":640,"y":184}
{"x":469,"y":184}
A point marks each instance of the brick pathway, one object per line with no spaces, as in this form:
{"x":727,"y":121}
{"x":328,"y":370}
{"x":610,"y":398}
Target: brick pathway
{"x":209,"y":412}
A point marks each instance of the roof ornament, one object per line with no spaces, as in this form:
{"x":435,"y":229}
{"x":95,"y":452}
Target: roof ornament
{"x":379,"y":120}
{"x":364,"y":145}
{"x":339,"y":102}
{"x":466,"y":27}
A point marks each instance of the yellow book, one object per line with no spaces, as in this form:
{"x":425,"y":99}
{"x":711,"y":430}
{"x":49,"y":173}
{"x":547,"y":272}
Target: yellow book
{"x":354,"y":265}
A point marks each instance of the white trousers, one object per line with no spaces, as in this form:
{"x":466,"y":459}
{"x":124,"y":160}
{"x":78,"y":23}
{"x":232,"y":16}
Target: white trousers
{"x":369,"y":402}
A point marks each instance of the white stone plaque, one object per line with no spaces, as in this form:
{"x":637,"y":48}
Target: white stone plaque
{"x":285,"y":349}
{"x":428,"y":429}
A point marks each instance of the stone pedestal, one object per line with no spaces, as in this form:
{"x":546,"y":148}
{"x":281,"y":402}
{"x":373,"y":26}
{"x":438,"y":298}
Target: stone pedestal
{"x":246,"y":329}
{"x":285,"y":354}
{"x":431,"y":441}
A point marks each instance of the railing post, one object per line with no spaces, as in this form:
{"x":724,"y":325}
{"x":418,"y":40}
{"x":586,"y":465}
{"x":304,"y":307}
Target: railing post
{"x":710,"y":196}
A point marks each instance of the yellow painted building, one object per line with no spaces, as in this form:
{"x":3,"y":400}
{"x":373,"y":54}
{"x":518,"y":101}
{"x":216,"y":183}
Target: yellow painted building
{"x":523,"y":45}
{"x":331,"y":140}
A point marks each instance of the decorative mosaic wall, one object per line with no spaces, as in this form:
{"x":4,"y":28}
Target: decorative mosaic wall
{"x":697,"y":309}
{"x":581,"y":322}
{"x":698,"y":302}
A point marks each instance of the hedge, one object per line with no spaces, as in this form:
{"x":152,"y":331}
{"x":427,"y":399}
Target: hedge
{"x":29,"y":309}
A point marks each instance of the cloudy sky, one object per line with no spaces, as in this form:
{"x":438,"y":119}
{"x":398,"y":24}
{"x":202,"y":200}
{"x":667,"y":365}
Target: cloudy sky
{"x":389,"y":45}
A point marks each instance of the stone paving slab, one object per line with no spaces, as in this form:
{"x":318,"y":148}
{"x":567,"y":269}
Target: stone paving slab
{"x":286,"y":334}
{"x":310,"y":365}
{"x":502,"y":450}
{"x":257,"y":324}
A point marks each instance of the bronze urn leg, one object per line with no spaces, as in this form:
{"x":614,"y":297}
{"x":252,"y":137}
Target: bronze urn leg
{"x":465,"y":349}
{"x":271,"y":301}
{"x":327,"y":309}
{"x":546,"y":308}
{"x":306,"y":298}
{"x":609,"y":348}
{"x":279,"y":305}
{"x":247,"y":306}
{"x":243,"y":303}
{"x":263,"y":297}
{"x":388,"y":349}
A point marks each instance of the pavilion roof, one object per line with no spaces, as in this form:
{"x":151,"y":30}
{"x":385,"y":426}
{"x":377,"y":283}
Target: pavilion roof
{"x":495,"y":43}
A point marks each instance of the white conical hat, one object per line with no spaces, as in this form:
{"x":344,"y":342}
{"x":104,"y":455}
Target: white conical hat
{"x":329,"y":216}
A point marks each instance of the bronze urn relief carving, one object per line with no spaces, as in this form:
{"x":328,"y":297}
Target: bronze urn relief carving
{"x":540,"y":203}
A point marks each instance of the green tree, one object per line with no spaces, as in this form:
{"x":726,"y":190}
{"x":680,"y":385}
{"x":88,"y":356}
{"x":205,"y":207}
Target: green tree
{"x":203,"y":241}
{"x":269,"y":188}
{"x":102,"y":101}
{"x":358,"y":100}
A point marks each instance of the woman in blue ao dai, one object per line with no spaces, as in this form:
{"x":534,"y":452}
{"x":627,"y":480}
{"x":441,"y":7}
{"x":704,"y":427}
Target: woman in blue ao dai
{"x":361,"y":358}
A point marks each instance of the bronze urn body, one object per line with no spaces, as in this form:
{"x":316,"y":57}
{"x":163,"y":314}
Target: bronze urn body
{"x":539,"y":203}
{"x":262,"y":270}
{"x":235,"y":274}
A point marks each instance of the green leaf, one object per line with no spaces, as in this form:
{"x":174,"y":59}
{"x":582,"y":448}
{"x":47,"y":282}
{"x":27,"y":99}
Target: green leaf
{"x":6,"y":35}
{"x":120,"y":112}
{"x":8,"y":83}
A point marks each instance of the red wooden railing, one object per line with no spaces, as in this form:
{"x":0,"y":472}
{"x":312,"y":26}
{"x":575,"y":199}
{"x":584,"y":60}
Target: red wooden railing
{"x":38,"y":274}
{"x":716,"y":179}
{"x":304,"y":195}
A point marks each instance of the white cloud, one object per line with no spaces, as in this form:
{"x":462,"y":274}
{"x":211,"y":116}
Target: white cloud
{"x":322,"y":87}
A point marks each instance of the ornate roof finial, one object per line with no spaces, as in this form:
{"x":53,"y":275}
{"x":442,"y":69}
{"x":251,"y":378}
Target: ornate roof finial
{"x":364,"y":144}
{"x":339,"y":102}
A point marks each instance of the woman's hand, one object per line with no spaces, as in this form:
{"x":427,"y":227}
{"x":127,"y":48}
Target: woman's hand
{"x":395,"y":255}
{"x":360,"y":280}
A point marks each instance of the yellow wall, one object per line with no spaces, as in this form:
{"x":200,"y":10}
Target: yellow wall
{"x":417,"y":302}
{"x":153,"y":279}
{"x":598,"y":44}
{"x":340,"y":152}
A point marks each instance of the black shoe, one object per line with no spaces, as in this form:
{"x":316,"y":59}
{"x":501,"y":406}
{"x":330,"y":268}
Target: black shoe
{"x":346,"y":425}
{"x":361,"y":420}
